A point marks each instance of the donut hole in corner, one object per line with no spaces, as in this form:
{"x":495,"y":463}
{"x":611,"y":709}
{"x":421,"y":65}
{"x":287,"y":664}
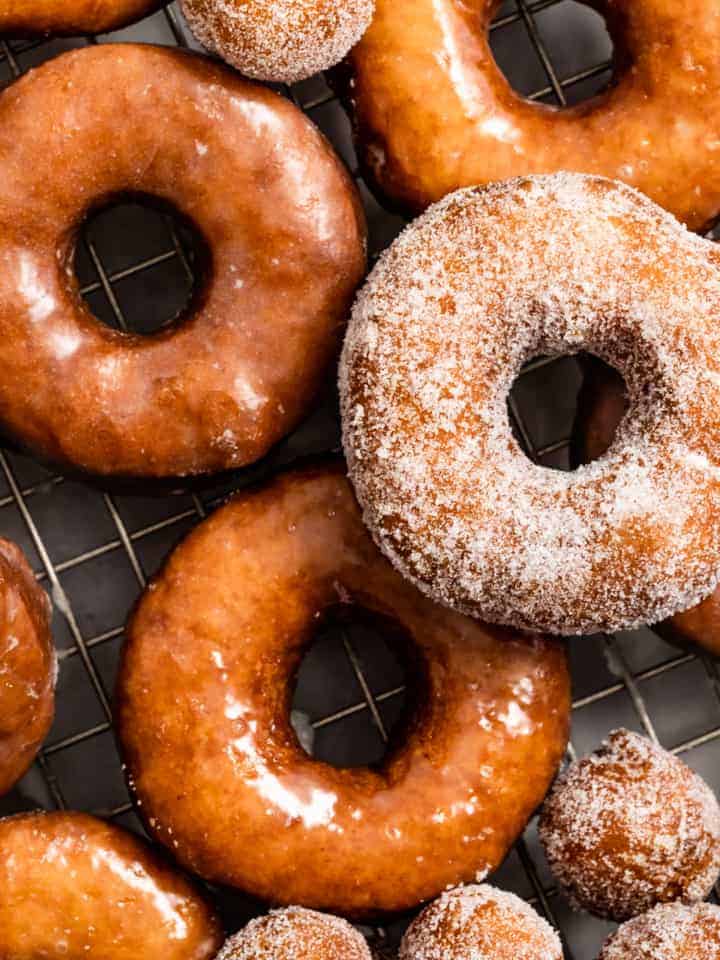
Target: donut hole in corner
{"x":140,"y":265}
{"x":356,"y":688}
{"x":565,"y":411}
{"x":584,"y":44}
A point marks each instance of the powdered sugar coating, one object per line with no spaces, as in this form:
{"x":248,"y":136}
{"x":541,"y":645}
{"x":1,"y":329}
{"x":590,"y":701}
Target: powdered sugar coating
{"x":279,"y":40}
{"x":630,"y":826}
{"x":484,"y":281}
{"x":296,"y":934}
{"x":669,"y":932}
{"x":480,"y":922}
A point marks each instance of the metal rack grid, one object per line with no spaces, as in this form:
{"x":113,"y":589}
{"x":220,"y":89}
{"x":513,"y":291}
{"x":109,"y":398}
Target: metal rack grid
{"x":94,"y":550}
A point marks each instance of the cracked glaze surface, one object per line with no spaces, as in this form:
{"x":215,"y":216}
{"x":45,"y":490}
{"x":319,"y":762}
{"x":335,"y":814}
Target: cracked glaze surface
{"x":71,"y":16}
{"x":285,"y":235}
{"x":434,"y":112}
{"x":203,"y":715}
{"x":73,"y":886}
{"x":27,"y":666}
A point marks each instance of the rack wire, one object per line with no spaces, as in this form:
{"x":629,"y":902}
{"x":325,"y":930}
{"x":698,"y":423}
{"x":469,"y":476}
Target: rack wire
{"x":94,"y":551}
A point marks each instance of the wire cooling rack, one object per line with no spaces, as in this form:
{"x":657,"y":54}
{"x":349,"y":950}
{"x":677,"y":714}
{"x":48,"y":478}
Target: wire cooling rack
{"x":94,"y":550}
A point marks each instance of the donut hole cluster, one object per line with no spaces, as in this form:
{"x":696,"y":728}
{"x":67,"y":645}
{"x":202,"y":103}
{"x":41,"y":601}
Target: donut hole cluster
{"x":349,"y":642}
{"x":150,"y":256}
{"x":550,"y":389}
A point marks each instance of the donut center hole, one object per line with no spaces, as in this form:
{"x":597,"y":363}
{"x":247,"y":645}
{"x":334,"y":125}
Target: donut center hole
{"x":561,"y":55}
{"x":565,"y":410}
{"x":350,"y":702}
{"x":140,"y":264}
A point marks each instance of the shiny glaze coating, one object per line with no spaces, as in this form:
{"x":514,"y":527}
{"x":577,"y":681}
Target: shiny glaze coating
{"x":601,"y":406}
{"x":203,"y":715}
{"x":433,"y":111}
{"x":27,"y":666}
{"x":284,"y":232}
{"x":72,"y":886}
{"x":71,"y":16}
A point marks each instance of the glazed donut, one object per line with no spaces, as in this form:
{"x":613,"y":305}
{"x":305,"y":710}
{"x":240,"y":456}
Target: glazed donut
{"x":480,"y":923}
{"x":285,"y":235}
{"x":669,"y":932}
{"x":631,"y":826}
{"x":296,"y":934}
{"x":28,"y":666}
{"x":486,"y":280}
{"x":71,"y":16}
{"x":434,"y":113}
{"x":602,"y":404}
{"x":280,"y":41}
{"x":73,"y":886}
{"x":203,"y":715}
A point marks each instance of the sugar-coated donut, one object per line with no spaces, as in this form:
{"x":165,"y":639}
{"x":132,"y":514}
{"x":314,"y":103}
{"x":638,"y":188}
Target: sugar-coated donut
{"x":73,"y":886}
{"x":601,"y":406}
{"x":296,"y":934}
{"x":279,"y":40}
{"x":433,"y":111}
{"x":669,"y":932}
{"x":480,"y":922}
{"x":71,"y":16}
{"x":285,"y":236}
{"x":204,"y":700}
{"x":631,"y":826}
{"x":28,"y":666}
{"x":486,"y":280}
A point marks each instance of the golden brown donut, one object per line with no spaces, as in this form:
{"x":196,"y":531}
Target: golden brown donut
{"x":669,"y":932}
{"x":279,"y":40}
{"x":71,"y":16}
{"x":433,"y":111}
{"x":486,"y":280}
{"x":631,"y":826}
{"x":601,"y":406}
{"x":285,"y":235}
{"x":72,"y":886}
{"x":480,"y":922}
{"x":203,"y":714}
{"x":296,"y":934}
{"x":28,"y":666}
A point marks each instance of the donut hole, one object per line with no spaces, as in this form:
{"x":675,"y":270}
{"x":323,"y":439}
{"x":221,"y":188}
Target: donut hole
{"x":354,"y":688}
{"x":140,"y":264}
{"x":565,"y":411}
{"x":572,"y":53}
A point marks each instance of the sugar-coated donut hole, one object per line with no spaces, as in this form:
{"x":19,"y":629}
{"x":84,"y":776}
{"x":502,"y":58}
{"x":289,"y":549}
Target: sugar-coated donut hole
{"x":547,"y":390}
{"x":152,"y":275}
{"x":594,"y":38}
{"x":360,"y":667}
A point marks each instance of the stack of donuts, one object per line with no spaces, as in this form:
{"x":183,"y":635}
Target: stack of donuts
{"x":538,"y":232}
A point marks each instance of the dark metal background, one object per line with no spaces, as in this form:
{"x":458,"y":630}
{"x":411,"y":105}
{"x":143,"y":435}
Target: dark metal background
{"x":94,"y":551}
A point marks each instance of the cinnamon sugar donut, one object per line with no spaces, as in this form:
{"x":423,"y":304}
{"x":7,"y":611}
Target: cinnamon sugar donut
{"x":601,"y":406}
{"x":28,"y":666}
{"x":480,"y":923}
{"x":296,"y":934}
{"x":669,"y":932}
{"x":281,"y":41}
{"x":486,"y":280}
{"x":71,"y":16}
{"x":73,"y":886}
{"x":433,"y":111}
{"x":285,"y":235}
{"x":630,"y":826}
{"x":203,"y":704}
